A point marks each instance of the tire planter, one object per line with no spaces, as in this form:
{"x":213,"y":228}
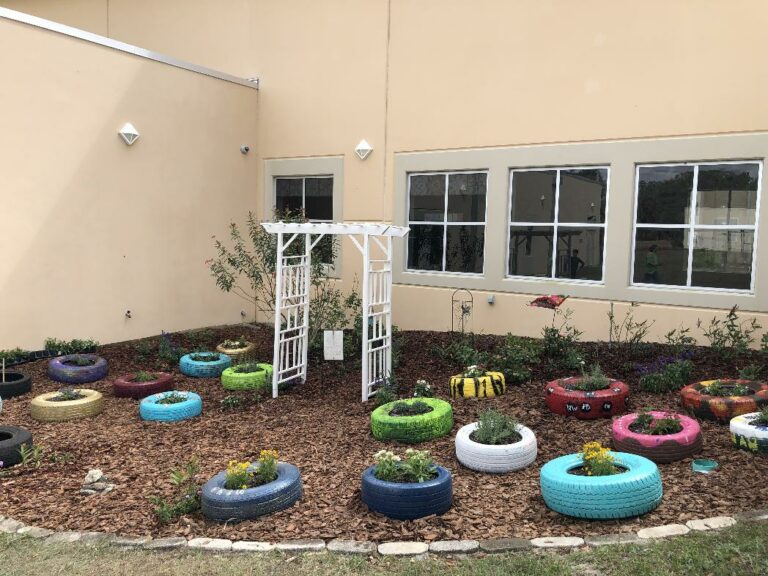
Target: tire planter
{"x":125,"y":387}
{"x":749,"y":437}
{"x":408,"y":501}
{"x":497,"y":458}
{"x":485,"y":386}
{"x":197,"y":369}
{"x":236,"y":352}
{"x":223,"y":505}
{"x":661,"y":449}
{"x":12,"y":439}
{"x":586,"y":405}
{"x":45,"y":410}
{"x":71,"y":374}
{"x":232,"y":380}
{"x":695,"y":399}
{"x":149,"y":409}
{"x":15,"y":384}
{"x":412,"y":429}
{"x":634,"y":492}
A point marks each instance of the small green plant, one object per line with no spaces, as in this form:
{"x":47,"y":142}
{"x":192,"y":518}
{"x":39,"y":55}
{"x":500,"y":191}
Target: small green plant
{"x":62,"y":347}
{"x":247,"y":368}
{"x":199,"y":338}
{"x":205,"y":357}
{"x":751,"y":372}
{"x":629,"y":332}
{"x":559,"y":341}
{"x":723,"y":389}
{"x":244,"y":475}
{"x":187,"y":497}
{"x":142,"y":376}
{"x":680,"y":340}
{"x":591,"y":382}
{"x":645,"y":423}
{"x":143,"y":350}
{"x":474,"y":371}
{"x":235,"y":344}
{"x":66,"y":394}
{"x":62,"y":457}
{"x":417,"y":466}
{"x":80,"y":361}
{"x":386,"y":392}
{"x":494,"y":428}
{"x":730,"y":337}
{"x":598,"y":461}
{"x":31,"y":455}
{"x":172,"y":398}
{"x":410,"y":408}
{"x":14,"y":355}
{"x":514,"y":359}
{"x":761,"y":419}
{"x":423,"y":389}
{"x":459,"y":350}
{"x":231,"y":403}
{"x":167,"y":352}
{"x":764,"y":344}
{"x":667,"y":377}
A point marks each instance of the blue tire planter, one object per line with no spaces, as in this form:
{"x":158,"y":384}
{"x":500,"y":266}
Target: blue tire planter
{"x":408,"y":501}
{"x":197,"y":369}
{"x":59,"y":371}
{"x":223,"y":505}
{"x":149,"y":409}
{"x":634,"y":492}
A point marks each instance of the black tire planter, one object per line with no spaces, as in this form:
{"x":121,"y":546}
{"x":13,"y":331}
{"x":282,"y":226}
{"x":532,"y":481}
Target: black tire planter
{"x":59,"y":371}
{"x":408,"y":501}
{"x":12,"y":439}
{"x":223,"y":505}
{"x":15,"y":384}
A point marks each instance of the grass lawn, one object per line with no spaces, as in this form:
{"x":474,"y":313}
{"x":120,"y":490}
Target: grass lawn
{"x":741,"y":550}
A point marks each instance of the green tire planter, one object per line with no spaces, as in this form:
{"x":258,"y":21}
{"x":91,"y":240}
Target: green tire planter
{"x":412,"y":429}
{"x":232,"y":380}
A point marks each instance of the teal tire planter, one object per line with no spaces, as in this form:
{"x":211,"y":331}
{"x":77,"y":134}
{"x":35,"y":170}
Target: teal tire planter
{"x":636,"y":491}
{"x":197,"y":369}
{"x":149,"y":409}
{"x":232,"y":380}
{"x":412,"y":429}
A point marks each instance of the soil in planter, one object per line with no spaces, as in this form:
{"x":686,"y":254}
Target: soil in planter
{"x":414,"y":409}
{"x":581,"y":471}
{"x":204,"y":357}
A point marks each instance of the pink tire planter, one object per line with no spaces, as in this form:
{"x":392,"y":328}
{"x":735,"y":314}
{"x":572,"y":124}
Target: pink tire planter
{"x":661,"y":449}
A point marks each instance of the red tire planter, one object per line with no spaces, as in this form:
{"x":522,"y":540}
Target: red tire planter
{"x":586,"y":405}
{"x":662,"y":449}
{"x":695,"y":400}
{"x":125,"y":387}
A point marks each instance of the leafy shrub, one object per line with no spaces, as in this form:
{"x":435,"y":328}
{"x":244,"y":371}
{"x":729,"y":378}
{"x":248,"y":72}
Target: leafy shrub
{"x":167,"y":352}
{"x":459,"y":351}
{"x":666,"y":374}
{"x":514,"y":359}
{"x":410,"y":408}
{"x":598,"y":461}
{"x":559,"y":341}
{"x":187,"y":498}
{"x":645,"y":423}
{"x":231,"y":403}
{"x":493,"y":428}
{"x":764,"y":344}
{"x":417,"y":466}
{"x":751,"y":372}
{"x":423,"y":389}
{"x":14,"y":355}
{"x":386,"y":392}
{"x":628,"y":332}
{"x":142,"y":376}
{"x":62,"y":347}
{"x":730,"y":337}
{"x":680,"y":340}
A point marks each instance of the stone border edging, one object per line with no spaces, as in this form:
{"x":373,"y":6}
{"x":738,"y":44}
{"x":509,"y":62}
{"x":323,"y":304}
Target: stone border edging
{"x":407,"y":549}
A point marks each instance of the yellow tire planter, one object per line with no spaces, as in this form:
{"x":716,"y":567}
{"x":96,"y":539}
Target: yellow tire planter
{"x":43,"y":409}
{"x":232,"y":380}
{"x":485,"y":386}
{"x":236,"y":352}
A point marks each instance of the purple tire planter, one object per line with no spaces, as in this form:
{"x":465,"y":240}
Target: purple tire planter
{"x":59,"y":371}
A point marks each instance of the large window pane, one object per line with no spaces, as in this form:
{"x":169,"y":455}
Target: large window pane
{"x":464,"y":249}
{"x":288,"y":196}
{"x":727,"y":194}
{"x":661,"y":256}
{"x":466,"y":197}
{"x":582,"y":195}
{"x":533,"y":196}
{"x":664,"y":194}
{"x":318,"y":198}
{"x":530,"y":250}
{"x":580,"y":253}
{"x":427,"y":198}
{"x":723,"y":259}
{"x":425,"y":247}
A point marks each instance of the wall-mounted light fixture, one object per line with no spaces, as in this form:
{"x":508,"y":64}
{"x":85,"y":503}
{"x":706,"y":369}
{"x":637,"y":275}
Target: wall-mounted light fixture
{"x":363,"y":149}
{"x":128,"y":133}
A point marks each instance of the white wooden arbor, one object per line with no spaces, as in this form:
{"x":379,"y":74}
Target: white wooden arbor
{"x":292,"y":278}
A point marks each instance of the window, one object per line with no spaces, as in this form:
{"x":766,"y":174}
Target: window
{"x":557,"y":223}
{"x":446,"y":214}
{"x":695,"y":225}
{"x":312,"y":195}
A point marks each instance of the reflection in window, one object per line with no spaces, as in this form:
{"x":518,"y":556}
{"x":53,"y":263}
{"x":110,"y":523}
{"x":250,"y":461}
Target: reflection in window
{"x":312,"y":196}
{"x":446,"y":215}
{"x":557,"y":223}
{"x":712,"y":250}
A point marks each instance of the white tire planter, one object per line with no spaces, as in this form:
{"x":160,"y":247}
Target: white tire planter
{"x":748,"y":437}
{"x":499,"y":458}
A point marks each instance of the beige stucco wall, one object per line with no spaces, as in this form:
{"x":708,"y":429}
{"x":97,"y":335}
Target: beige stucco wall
{"x":455,"y":75}
{"x":94,"y":228}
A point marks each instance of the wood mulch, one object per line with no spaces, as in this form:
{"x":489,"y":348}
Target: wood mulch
{"x":323,"y":428}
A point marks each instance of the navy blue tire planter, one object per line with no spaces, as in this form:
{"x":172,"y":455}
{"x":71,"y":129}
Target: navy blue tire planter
{"x":72,"y":374}
{"x":223,"y":505}
{"x":149,"y":409}
{"x":634,"y":492}
{"x":197,"y":369}
{"x":408,"y":501}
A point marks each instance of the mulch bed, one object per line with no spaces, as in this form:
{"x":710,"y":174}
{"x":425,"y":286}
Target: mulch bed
{"x":323,"y":428}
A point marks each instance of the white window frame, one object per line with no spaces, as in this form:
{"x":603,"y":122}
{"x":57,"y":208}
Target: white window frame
{"x":691,"y":227}
{"x":556,"y":224}
{"x":303,"y":179}
{"x":444,"y":222}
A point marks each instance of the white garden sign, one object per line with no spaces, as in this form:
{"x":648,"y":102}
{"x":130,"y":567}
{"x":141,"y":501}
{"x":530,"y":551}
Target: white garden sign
{"x":292,"y":301}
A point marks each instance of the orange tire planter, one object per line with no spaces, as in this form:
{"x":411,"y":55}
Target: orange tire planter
{"x":586,"y":405}
{"x":696,"y":401}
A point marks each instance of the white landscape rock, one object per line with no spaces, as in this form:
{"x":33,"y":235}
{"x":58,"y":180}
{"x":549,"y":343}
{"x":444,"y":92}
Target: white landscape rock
{"x":664,"y":531}
{"x":711,"y":523}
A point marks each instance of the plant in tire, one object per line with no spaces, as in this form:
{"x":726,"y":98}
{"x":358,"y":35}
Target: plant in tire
{"x":496,"y":443}
{"x":750,"y":431}
{"x":659,"y":436}
{"x":407,"y":488}
{"x":243,"y":475}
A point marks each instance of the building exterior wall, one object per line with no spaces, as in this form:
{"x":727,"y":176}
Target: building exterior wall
{"x":491,"y":85}
{"x":93,"y":227}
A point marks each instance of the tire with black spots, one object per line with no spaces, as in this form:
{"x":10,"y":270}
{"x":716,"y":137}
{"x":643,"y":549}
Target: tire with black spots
{"x":562,"y":399}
